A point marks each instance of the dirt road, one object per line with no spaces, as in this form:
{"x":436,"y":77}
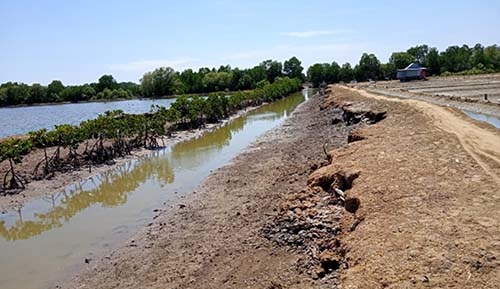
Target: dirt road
{"x":408,"y":196}
{"x":480,"y":142}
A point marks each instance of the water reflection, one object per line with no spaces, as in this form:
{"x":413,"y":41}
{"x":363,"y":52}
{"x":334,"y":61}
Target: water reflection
{"x":110,"y":189}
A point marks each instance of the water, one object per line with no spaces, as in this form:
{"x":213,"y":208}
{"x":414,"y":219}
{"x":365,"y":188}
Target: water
{"x":52,"y":235}
{"x":493,"y":120}
{"x":20,"y":120}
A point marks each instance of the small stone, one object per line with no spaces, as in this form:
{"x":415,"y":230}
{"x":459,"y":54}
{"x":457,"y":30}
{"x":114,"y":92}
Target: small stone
{"x":182,"y":206}
{"x":352,"y":205}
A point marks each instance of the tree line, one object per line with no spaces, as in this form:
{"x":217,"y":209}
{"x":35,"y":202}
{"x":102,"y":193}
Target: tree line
{"x":454,"y":60}
{"x":14,"y":93}
{"x":161,"y":82}
{"x":166,"y":81}
{"x":115,"y":133}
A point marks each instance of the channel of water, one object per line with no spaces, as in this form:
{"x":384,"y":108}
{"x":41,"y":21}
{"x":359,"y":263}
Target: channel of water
{"x":491,"y":119}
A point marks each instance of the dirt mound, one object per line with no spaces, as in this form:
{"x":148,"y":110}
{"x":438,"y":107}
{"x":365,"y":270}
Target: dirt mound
{"x":310,"y":221}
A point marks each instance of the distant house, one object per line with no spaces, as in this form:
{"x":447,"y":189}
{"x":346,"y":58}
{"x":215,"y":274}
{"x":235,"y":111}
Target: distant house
{"x":412,"y":71}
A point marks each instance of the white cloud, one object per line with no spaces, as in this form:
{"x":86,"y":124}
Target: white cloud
{"x":178,"y":63}
{"x":310,"y":33}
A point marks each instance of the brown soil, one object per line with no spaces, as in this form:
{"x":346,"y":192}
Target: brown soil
{"x":428,"y":187}
{"x":411,"y":201}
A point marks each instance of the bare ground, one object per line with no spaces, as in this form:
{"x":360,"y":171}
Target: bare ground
{"x":410,"y":202}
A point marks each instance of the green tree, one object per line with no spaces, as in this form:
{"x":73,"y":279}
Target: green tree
{"x":346,"y":72}
{"x":217,"y":81}
{"x":492,"y":57}
{"x":88,"y":92}
{"x":316,"y":74}
{"x":273,"y":69}
{"x":432,"y":62}
{"x":54,"y":89}
{"x":332,"y":72}
{"x":13,"y":151}
{"x":258,"y":73}
{"x":456,"y":59}
{"x":388,"y":71}
{"x":38,"y":93}
{"x":191,"y":81}
{"x":245,"y":82}
{"x":401,"y":60}
{"x":419,"y":53}
{"x":368,"y":68}
{"x":161,"y":82}
{"x":293,"y":68}
{"x":106,"y":81}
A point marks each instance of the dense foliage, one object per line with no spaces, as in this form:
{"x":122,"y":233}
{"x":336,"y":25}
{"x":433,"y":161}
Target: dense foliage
{"x":454,"y":60}
{"x":166,"y":81}
{"x":115,"y":133}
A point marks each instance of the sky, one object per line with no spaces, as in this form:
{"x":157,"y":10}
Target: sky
{"x":77,"y":41}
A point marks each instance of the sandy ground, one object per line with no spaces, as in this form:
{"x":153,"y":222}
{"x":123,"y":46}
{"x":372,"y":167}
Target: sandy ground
{"x":407,"y":197}
{"x":39,"y":188}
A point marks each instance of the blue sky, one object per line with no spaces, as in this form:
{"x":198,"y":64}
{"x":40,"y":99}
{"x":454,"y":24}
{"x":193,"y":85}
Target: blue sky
{"x":78,"y":41}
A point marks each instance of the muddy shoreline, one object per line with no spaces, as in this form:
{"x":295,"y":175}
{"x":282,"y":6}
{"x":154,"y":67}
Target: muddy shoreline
{"x":39,"y":188}
{"x":424,"y":211}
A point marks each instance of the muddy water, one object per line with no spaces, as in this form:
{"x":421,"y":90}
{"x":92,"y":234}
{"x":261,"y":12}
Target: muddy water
{"x":52,"y":236}
{"x":491,"y":119}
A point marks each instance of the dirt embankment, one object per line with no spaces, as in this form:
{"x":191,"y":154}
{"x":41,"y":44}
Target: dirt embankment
{"x":355,"y":191}
{"x":429,"y":194}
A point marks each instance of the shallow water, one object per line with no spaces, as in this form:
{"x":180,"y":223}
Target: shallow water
{"x":53,"y":235}
{"x":20,"y":120}
{"x":491,"y":119}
